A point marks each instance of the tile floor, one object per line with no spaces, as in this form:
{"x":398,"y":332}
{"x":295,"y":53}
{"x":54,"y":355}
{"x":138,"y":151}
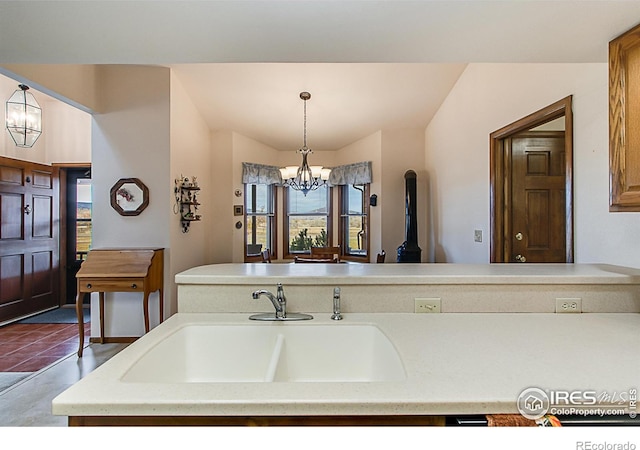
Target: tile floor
{"x":39,"y":361}
{"x":27,"y":347}
{"x":28,"y":403}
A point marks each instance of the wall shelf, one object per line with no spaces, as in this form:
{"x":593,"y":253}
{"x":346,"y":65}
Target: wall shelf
{"x":186,"y":191}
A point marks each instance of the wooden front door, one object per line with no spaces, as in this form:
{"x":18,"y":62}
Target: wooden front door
{"x":29,"y":255}
{"x":538,"y":223}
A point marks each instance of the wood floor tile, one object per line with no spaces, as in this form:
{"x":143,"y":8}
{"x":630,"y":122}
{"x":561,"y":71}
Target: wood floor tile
{"x":10,"y":361}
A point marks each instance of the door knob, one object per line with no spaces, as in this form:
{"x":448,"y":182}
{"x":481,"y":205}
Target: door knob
{"x":521,"y":258}
{"x":519,"y":236}
{"x":27,"y":209}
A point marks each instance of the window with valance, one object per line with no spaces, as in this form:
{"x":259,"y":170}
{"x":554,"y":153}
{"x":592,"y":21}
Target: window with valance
{"x":260,"y":181}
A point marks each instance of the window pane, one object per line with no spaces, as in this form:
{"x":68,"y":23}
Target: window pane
{"x":261,"y":203}
{"x":355,"y":197}
{"x":356,"y":236}
{"x":307,"y":231}
{"x":83,"y":236}
{"x":314,"y":203}
{"x":257,"y":234}
{"x":354,"y":226}
{"x":83,"y":216}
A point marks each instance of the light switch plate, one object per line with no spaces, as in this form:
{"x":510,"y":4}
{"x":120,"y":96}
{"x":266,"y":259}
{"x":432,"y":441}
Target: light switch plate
{"x":427,"y":305}
{"x":568,"y":305}
{"x":477,"y":235}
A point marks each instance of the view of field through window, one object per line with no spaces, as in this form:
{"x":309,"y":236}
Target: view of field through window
{"x":83,"y":216}
{"x":353,"y":219}
{"x":307,"y":218}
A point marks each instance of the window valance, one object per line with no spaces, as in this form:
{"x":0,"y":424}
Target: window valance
{"x":260,"y":174}
{"x":356,"y":173}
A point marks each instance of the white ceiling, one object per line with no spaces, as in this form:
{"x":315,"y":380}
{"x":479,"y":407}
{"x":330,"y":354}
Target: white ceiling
{"x":349,"y":101}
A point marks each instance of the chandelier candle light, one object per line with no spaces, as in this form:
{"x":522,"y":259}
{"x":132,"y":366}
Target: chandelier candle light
{"x":305,"y":178}
{"x":24,"y":117}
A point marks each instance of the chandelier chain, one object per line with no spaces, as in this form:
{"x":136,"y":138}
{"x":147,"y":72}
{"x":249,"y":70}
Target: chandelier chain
{"x":304,"y":136}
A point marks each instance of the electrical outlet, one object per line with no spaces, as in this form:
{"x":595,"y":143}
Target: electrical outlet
{"x":427,"y":305}
{"x":568,"y":305}
{"x":477,"y":235}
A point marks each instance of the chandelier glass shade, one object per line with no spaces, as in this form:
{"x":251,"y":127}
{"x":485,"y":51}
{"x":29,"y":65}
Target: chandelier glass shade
{"x":23,"y":117}
{"x":305,"y":178}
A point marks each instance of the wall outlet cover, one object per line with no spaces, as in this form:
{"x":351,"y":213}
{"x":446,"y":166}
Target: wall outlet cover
{"x":428,"y":305}
{"x":568,"y":305}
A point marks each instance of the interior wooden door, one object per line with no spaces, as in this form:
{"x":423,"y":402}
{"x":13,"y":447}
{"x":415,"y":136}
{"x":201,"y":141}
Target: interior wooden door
{"x":29,"y":247}
{"x":538,"y":217}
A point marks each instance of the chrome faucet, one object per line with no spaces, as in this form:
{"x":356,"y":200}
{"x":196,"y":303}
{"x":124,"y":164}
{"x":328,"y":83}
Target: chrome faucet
{"x":279,"y":301}
{"x":336,"y":304}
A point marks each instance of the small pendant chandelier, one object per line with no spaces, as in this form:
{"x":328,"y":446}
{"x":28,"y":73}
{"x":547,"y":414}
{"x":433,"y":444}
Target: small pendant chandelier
{"x":304,"y":178}
{"x":24,"y":117}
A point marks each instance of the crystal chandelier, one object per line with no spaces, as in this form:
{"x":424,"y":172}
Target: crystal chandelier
{"x":24,"y":117}
{"x":305,"y":178}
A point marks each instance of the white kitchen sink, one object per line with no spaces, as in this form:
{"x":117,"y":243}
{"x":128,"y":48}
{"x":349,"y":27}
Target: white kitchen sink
{"x":274,"y":352}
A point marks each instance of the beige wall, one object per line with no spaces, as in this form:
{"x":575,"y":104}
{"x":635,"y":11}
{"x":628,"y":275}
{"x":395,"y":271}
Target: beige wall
{"x":221,"y":232}
{"x":66,"y":131}
{"x":402,"y":150}
{"x":131,"y":138}
{"x":190,"y":156}
{"x":490,"y":96}
{"x":75,"y":84}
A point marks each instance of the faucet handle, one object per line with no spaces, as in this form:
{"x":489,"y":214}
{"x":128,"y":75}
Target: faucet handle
{"x":336,"y":304}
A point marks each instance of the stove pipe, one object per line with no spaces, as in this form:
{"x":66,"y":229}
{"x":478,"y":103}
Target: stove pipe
{"x":409,"y":250}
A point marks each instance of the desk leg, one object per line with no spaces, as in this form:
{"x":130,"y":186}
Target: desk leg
{"x":145,"y":307}
{"x":101,"y":294}
{"x":161,"y":301}
{"x":80,"y":315}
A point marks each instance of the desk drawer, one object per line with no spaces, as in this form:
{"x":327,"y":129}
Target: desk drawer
{"x":118,"y":285}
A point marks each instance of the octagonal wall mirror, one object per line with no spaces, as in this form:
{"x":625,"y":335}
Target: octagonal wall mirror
{"x":129,"y":196}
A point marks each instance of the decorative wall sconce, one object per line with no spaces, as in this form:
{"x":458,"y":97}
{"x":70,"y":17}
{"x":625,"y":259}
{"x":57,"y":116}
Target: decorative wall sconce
{"x":23,"y":117}
{"x":186,"y":191}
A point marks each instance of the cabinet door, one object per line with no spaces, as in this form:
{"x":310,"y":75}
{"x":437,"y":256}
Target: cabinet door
{"x":624,"y":122}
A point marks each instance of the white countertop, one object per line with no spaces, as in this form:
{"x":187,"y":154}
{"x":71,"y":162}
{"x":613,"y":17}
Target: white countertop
{"x":485,"y":274}
{"x":455,"y":363}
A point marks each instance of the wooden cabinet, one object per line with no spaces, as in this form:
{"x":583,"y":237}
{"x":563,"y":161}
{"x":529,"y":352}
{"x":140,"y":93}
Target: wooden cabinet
{"x":624,"y":122}
{"x":120,"y":270}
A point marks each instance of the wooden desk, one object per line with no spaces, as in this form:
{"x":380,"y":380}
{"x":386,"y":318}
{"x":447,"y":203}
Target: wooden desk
{"x":120,"y":270}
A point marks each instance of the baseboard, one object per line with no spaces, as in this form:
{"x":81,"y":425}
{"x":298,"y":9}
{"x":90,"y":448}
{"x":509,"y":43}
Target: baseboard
{"x":113,"y":340}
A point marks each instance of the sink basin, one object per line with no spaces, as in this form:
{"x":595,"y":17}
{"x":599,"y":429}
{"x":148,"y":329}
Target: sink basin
{"x":274,"y":352}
